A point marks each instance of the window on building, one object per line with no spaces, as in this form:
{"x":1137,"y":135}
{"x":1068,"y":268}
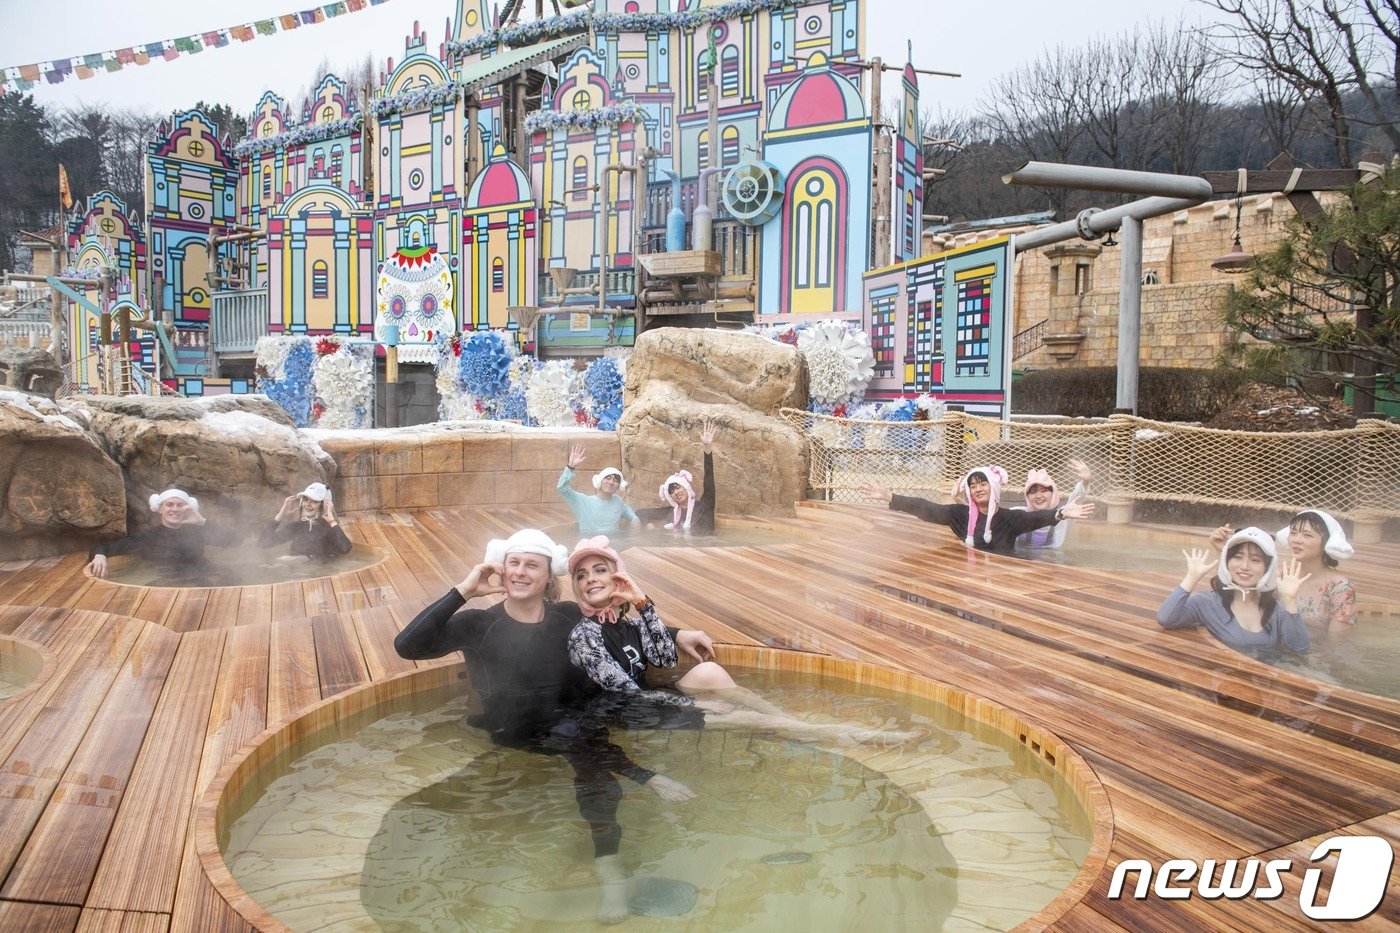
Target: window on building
{"x":702,"y":149}
{"x":729,"y":72}
{"x":498,"y":275}
{"x":729,"y":147}
{"x":267,"y":184}
{"x":1150,"y":277}
{"x":1054,"y":280}
{"x":582,"y":99}
{"x":702,"y":77}
{"x":320,"y":280}
{"x":580,"y":179}
{"x":1083,"y":278}
{"x":337,"y":164}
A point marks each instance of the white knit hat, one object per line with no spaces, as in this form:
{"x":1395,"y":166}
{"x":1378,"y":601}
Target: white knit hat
{"x":1265,"y":543}
{"x":609,"y":471}
{"x":1337,"y":547}
{"x":530,"y":541}
{"x":316,"y":492}
{"x":159,"y":499}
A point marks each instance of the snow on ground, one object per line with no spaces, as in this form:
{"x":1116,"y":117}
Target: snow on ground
{"x":44,"y":409}
{"x":439,"y":427}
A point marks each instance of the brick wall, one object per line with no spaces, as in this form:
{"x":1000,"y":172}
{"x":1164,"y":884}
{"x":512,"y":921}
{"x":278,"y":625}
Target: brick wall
{"x":450,"y":468}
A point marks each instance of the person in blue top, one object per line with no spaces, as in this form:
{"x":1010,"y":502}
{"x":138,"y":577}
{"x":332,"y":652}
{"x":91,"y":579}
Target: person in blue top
{"x":1252,"y":602}
{"x":600,"y":514}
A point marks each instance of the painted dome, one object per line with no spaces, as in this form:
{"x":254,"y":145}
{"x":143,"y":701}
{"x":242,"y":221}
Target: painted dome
{"x":503,"y":182}
{"x":819,"y":98}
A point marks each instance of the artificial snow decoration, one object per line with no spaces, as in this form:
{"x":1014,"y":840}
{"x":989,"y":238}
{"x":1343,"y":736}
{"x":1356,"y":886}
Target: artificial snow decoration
{"x":854,"y":347}
{"x":549,"y":394}
{"x":344,"y":386}
{"x":283,"y":371}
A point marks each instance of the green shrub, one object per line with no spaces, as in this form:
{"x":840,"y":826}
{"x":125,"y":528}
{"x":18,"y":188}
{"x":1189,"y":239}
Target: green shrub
{"x":1164,"y":394}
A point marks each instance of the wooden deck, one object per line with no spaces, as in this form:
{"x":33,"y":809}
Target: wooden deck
{"x":147,"y":692}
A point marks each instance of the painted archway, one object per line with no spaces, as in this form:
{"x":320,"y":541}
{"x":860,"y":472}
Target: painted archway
{"x":814,"y":239}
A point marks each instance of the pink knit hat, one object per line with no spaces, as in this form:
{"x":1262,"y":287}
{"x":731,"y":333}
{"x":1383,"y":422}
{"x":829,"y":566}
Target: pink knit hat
{"x":1042,"y":478}
{"x":683,"y":479}
{"x":598,"y":546}
{"x":996,"y":478}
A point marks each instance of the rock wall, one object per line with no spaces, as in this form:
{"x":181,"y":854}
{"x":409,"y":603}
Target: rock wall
{"x":676,"y":378}
{"x":59,"y":491}
{"x":240,"y":455}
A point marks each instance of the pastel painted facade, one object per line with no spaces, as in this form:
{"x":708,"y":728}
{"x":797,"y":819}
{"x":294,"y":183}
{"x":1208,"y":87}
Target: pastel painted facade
{"x":815,"y":250}
{"x":941,"y":325}
{"x":907,"y":229}
{"x":191,"y":193}
{"x":320,"y":263}
{"x":104,"y":236}
{"x":499,"y":244}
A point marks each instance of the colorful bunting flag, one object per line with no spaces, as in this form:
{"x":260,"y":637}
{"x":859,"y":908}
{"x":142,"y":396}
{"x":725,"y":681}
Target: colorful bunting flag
{"x":24,"y":77}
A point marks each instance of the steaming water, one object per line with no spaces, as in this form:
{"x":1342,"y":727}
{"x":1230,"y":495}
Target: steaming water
{"x":1365,"y":657}
{"x":245,"y":566}
{"x":408,"y":820}
{"x":1101,"y":547}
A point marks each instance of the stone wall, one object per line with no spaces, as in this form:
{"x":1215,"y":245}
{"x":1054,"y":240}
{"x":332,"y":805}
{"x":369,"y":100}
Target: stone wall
{"x":1073,"y":286}
{"x":427,"y":469}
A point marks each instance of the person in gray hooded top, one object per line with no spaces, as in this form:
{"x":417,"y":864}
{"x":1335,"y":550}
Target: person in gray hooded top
{"x":1252,"y":602}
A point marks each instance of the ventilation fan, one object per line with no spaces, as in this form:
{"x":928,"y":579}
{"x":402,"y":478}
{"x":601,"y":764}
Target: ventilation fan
{"x":753,"y":192}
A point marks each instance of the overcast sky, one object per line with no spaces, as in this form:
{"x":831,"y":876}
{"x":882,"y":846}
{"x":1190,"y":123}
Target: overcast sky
{"x":979,"y":40}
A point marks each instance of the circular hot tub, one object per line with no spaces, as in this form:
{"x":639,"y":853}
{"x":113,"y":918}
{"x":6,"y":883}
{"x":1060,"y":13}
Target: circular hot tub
{"x":240,"y":567}
{"x":381,"y":809}
{"x":20,"y":666}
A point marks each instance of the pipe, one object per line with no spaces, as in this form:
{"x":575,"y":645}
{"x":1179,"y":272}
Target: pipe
{"x":664,"y":294}
{"x":702,"y":230}
{"x":1117,"y":180}
{"x":603,"y":240}
{"x":1102,"y":221}
{"x":1129,"y":314}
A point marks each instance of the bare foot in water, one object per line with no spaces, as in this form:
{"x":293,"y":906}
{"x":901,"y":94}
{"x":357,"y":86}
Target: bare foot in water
{"x":612,"y":885}
{"x":670,"y":789}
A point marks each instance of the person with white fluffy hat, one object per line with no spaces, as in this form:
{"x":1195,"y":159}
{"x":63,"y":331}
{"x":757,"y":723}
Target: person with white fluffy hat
{"x":518,"y":662}
{"x":175,"y":542}
{"x":600,"y":514}
{"x":1253,"y":599}
{"x":1316,"y":540}
{"x":316,"y":531}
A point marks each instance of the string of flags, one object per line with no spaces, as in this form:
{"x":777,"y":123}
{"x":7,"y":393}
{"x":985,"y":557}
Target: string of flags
{"x":24,"y":77}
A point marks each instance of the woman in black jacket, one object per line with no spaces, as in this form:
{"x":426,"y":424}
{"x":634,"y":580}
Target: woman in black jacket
{"x":316,"y":532}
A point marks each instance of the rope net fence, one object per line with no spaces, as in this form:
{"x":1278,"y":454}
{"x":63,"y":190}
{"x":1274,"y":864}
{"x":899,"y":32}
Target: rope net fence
{"x":1353,"y":473}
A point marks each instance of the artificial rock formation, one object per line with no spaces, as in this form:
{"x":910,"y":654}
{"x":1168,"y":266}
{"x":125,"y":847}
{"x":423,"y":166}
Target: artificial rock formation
{"x":676,"y":378}
{"x":58,"y":490}
{"x":29,"y":370}
{"x":240,"y":455}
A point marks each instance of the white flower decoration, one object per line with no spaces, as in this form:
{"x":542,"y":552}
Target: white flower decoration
{"x":548,"y":393}
{"x":344,"y":383}
{"x":272,"y":354}
{"x":839,"y":360}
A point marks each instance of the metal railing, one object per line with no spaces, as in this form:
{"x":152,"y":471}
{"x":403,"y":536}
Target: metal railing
{"x":1028,"y":340}
{"x":237,"y":320}
{"x":620,"y":282}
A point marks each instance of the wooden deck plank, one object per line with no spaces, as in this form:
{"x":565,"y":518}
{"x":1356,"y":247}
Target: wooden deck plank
{"x":340,"y":664}
{"x":123,"y":921}
{"x":141,"y":863}
{"x":37,"y":918}
{"x":61,"y":854}
{"x":292,"y":680}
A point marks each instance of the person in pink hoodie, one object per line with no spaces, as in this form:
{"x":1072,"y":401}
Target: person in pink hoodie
{"x":1041,"y":493}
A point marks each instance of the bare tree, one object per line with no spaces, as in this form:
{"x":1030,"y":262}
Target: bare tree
{"x":1183,"y":80}
{"x":1036,"y":111}
{"x":1323,"y":52}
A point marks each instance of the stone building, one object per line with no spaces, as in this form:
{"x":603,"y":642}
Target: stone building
{"x":1066,"y":295}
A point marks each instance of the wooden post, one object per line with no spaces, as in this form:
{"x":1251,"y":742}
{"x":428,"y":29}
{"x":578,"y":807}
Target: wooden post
{"x":880,"y":247}
{"x":473,"y":142}
{"x":391,"y":376}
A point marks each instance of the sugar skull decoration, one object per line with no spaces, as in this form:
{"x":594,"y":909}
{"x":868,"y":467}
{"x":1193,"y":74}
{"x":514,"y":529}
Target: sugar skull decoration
{"x":415,"y":292}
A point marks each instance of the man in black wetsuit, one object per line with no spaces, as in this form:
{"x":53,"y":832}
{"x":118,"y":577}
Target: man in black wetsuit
{"x":315,"y":533}
{"x":175,"y":543}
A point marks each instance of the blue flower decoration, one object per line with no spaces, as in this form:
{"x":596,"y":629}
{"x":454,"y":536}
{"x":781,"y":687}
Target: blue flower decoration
{"x":484,"y":369}
{"x":604,"y":382}
{"x":512,"y":407}
{"x":902,"y":410}
{"x":293,"y":391}
{"x":609,"y":416}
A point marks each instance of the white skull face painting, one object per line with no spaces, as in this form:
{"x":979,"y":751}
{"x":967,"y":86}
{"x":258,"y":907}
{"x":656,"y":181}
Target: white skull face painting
{"x":415,"y":292}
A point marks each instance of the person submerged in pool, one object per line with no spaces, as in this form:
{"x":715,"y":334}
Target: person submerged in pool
{"x":175,"y":543}
{"x":621,"y":637}
{"x":517,"y":657}
{"x":316,"y":530}
{"x":1252,"y":602}
{"x":687,"y":510}
{"x":976,"y":516}
{"x":1041,"y":493}
{"x":600,"y":514}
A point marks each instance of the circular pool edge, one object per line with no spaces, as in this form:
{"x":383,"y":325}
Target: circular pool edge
{"x":1055,"y":753}
{"x":384,"y":555}
{"x":38,"y":657}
